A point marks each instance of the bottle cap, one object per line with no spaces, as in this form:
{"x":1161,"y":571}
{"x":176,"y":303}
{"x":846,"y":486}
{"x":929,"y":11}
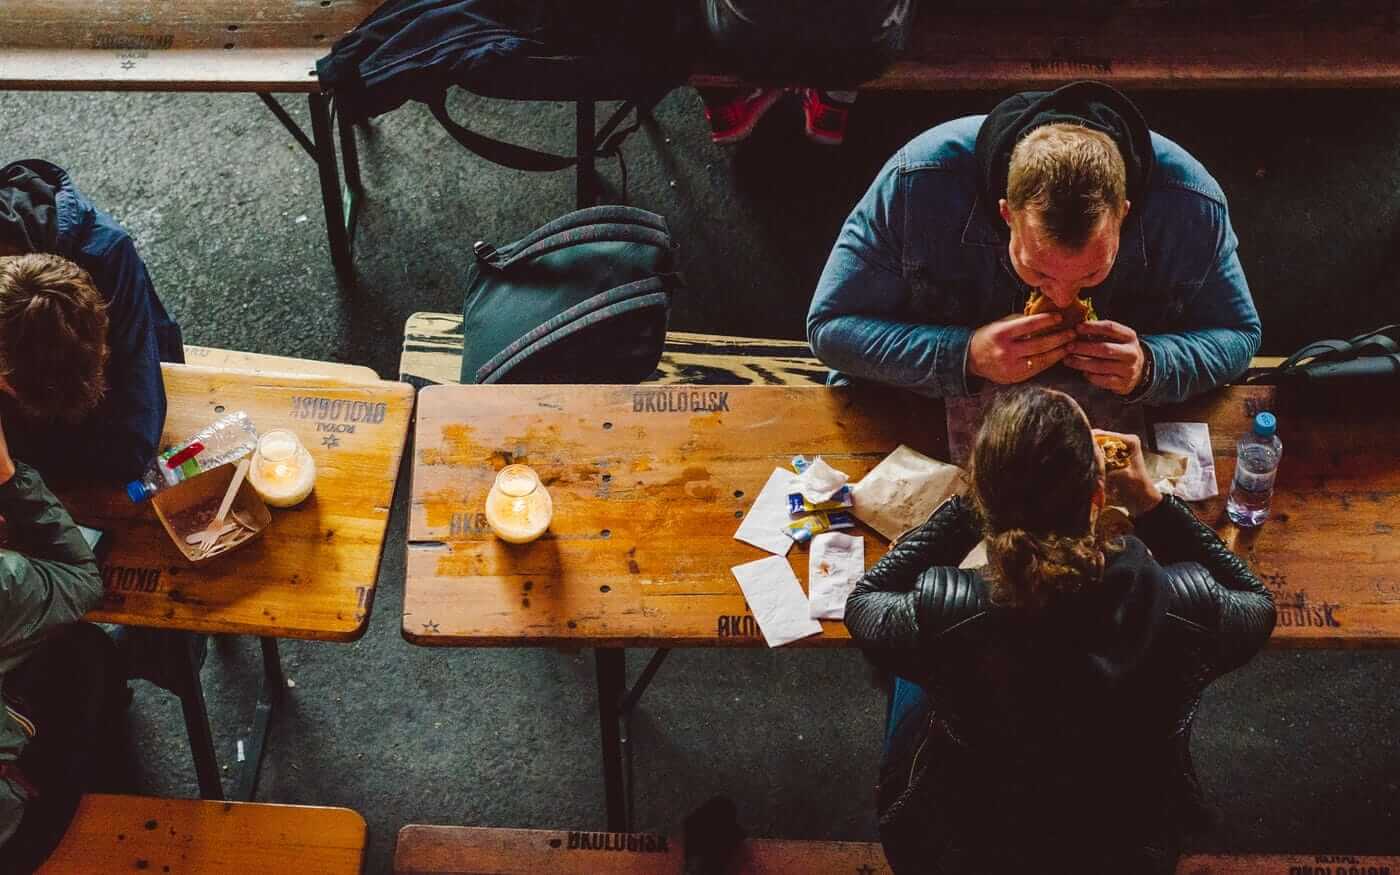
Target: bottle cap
{"x":1265,"y":424}
{"x":136,"y":491}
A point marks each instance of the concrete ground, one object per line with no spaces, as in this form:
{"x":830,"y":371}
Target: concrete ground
{"x":1299,"y":749}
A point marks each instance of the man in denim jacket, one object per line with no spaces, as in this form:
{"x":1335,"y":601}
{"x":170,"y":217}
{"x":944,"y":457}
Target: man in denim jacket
{"x":930,"y":273}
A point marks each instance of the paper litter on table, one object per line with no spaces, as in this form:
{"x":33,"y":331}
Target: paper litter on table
{"x":1192,"y":440}
{"x":776,"y":599}
{"x":903,"y":491}
{"x":819,"y":481}
{"x":834,"y":568}
{"x":763,"y":525}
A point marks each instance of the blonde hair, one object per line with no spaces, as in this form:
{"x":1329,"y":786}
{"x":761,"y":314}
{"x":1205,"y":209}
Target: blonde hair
{"x":53,"y":335}
{"x":1070,"y":177}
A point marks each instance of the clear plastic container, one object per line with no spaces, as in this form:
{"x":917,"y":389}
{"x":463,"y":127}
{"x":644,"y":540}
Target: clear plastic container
{"x":1256,"y":464}
{"x":225,"y":440}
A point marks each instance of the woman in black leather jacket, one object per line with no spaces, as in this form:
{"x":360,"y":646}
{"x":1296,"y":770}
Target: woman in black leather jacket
{"x":1042,"y":712}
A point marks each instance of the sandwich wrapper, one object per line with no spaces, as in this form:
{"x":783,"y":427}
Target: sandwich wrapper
{"x":903,"y":491}
{"x":776,"y":599}
{"x":835,"y":565}
{"x":1191,"y":440}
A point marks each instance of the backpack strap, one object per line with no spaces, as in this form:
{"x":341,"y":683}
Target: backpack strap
{"x":524,"y":158}
{"x":605,"y":213}
{"x":608,"y":232}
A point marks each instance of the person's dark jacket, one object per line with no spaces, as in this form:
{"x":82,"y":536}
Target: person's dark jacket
{"x":42,"y":211}
{"x":1052,"y":733}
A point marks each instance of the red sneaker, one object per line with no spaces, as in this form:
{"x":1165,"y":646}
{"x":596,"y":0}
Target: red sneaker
{"x":827,"y":115}
{"x":732,"y":116}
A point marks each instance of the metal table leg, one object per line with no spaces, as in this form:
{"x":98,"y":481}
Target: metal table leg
{"x":270,"y":694}
{"x":611,"y":666}
{"x":206,"y":766}
{"x":337,"y":230}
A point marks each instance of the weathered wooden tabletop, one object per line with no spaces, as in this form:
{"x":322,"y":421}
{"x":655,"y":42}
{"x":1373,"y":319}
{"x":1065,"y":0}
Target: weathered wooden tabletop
{"x":312,"y":573}
{"x":649,"y":484}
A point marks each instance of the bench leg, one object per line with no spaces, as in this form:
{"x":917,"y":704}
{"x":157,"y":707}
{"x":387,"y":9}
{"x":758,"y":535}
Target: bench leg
{"x":270,"y":694}
{"x":206,"y":766}
{"x":611,"y":665}
{"x":337,"y":215}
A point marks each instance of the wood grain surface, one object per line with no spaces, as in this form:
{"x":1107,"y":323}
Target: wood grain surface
{"x":312,"y":574}
{"x":447,"y":850}
{"x":648,"y":493}
{"x":260,"y":363}
{"x":192,"y":837}
{"x":1287,"y":864}
{"x":1285,"y":44}
{"x":646,"y":501}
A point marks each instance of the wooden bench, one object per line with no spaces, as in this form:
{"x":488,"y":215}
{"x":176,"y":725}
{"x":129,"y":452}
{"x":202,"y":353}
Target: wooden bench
{"x":273,"y":365}
{"x":191,"y":837}
{"x":264,"y":47}
{"x":432,"y":354}
{"x":465,"y":850}
{"x":1286,"y":44}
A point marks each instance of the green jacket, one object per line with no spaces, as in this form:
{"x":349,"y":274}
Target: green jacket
{"x":50,"y":580}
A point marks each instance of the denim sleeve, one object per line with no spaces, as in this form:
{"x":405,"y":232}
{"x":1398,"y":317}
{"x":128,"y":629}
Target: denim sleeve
{"x":859,"y":322}
{"x":1221,"y":329}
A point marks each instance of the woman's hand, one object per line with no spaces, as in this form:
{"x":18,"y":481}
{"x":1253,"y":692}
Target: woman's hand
{"x":1130,"y":487}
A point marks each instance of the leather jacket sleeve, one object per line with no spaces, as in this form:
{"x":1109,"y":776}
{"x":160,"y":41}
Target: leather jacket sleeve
{"x":883,"y":611}
{"x":1211,"y":586}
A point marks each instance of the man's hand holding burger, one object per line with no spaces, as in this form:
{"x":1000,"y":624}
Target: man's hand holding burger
{"x":1017,"y":348}
{"x":1109,"y":355}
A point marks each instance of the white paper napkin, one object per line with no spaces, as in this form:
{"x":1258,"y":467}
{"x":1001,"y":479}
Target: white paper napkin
{"x":1192,"y":440}
{"x":763,"y":524}
{"x":776,"y":599}
{"x":834,"y":568}
{"x":820,"y":481}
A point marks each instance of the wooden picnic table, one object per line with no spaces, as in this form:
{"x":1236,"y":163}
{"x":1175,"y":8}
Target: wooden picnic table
{"x":650,"y":482}
{"x":648,"y":492}
{"x":311,"y":574}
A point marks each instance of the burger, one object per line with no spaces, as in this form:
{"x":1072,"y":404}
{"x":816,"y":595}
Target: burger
{"x":1116,"y":453}
{"x":1082,"y":310}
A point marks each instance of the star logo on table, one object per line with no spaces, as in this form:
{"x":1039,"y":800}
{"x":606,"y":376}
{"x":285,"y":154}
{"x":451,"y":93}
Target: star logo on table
{"x":128,"y":64}
{"x":430,"y":626}
{"x":330,"y":441}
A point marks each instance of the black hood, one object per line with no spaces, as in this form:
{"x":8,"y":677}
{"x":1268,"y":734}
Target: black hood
{"x":1092,"y":104}
{"x":29,"y":205}
{"x":1110,"y":627}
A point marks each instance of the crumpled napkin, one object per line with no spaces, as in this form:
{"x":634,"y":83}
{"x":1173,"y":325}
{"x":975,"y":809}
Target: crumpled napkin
{"x":776,"y":599}
{"x":819,"y":481}
{"x":1192,"y":440}
{"x":834,"y":567}
{"x":903,"y":490}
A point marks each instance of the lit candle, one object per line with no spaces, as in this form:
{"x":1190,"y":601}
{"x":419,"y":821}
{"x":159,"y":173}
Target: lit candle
{"x":518,"y":507}
{"x":283,"y":472}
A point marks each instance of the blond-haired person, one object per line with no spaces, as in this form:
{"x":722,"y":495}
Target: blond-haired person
{"x":1067,"y":193}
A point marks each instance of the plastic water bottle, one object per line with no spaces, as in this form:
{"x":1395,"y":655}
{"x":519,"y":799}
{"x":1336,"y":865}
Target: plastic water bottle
{"x":1256,"y":463}
{"x":228,"y":438}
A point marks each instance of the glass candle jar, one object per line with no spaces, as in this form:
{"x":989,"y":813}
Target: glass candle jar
{"x":518,"y":507}
{"x":282,"y":472}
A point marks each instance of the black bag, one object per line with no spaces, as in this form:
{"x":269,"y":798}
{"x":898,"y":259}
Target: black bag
{"x":558,"y":50}
{"x":830,"y":43}
{"x":584,"y":299}
{"x":1373,"y":357}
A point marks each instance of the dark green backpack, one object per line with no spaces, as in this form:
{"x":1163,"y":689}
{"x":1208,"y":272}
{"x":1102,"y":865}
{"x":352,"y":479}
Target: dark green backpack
{"x":584,"y":299}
